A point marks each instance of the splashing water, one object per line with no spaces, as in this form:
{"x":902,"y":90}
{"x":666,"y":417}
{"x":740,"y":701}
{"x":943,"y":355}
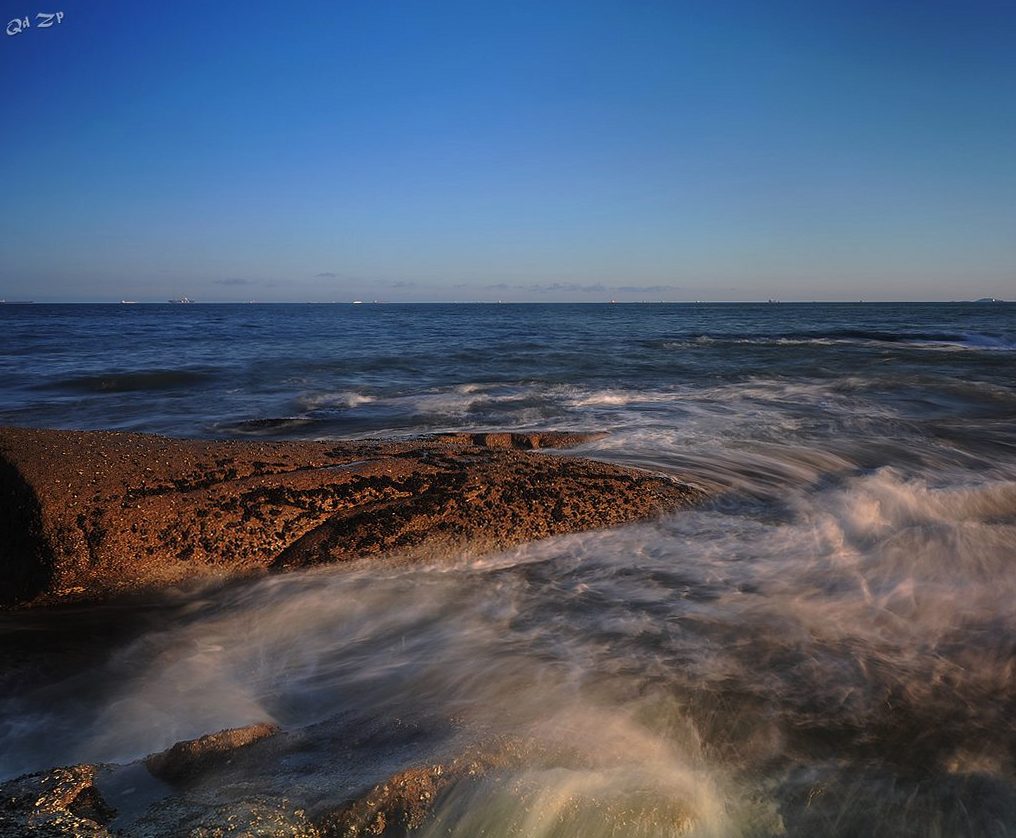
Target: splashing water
{"x":826,"y":647}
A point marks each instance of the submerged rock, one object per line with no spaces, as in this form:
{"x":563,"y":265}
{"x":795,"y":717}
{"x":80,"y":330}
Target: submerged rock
{"x":70,"y":801}
{"x":256,"y":815}
{"x":407,"y":799}
{"x":513,"y":786}
{"x":90,"y":514}
{"x":503,"y":785}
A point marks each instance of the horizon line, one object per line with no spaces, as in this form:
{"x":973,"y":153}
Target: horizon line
{"x":980,"y":301}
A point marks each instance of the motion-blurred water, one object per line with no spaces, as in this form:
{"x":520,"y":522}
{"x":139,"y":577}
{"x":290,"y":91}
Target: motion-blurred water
{"x":827,"y":647}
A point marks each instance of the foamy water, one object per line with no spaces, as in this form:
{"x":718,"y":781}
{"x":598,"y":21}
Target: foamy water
{"x":826,"y":647}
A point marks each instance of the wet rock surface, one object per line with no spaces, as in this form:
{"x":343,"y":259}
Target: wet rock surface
{"x":406,"y":800}
{"x":72,"y":801}
{"x":194,"y":818}
{"x":91,"y":514}
{"x":188,"y":760}
{"x":63,"y":801}
{"x":536,"y":789}
{"x":520,"y":441}
{"x":568,"y":786}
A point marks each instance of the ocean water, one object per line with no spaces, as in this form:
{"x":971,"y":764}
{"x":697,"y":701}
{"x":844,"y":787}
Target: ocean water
{"x":825,"y":647}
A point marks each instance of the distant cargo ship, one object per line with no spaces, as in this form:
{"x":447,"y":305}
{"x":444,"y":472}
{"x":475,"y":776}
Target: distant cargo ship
{"x":182,"y":300}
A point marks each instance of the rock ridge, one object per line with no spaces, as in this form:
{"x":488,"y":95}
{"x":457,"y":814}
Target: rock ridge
{"x":92,"y":514}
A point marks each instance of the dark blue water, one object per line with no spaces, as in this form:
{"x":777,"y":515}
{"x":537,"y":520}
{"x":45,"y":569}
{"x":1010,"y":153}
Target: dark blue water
{"x":827,"y":647}
{"x":327,"y":370}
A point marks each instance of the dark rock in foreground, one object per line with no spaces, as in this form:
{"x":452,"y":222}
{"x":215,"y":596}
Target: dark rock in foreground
{"x":63,"y":801}
{"x":407,"y":799}
{"x":70,"y":801}
{"x":515,"y":773}
{"x":90,"y":514}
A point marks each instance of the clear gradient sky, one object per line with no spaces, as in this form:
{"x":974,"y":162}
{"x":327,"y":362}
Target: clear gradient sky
{"x":484,"y":150}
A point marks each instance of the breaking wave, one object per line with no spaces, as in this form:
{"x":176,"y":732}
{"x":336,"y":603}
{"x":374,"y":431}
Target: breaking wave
{"x":724,"y":671}
{"x":826,"y":647}
{"x":979,"y":341}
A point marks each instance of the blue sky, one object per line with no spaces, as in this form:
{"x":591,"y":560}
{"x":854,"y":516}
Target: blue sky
{"x":509,"y":150}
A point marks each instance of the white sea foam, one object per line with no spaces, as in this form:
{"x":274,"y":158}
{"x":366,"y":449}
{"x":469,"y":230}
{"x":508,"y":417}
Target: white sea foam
{"x":972,"y":341}
{"x":654,"y":670}
{"x":345,"y":398}
{"x":824,"y":647}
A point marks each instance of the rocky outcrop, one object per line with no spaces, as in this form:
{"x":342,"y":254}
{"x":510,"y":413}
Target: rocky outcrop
{"x":407,"y":799}
{"x":60,"y":802}
{"x":202,"y":800}
{"x":89,"y":514}
{"x":191,"y":759}
{"x":70,"y":801}
{"x":521,"y":441}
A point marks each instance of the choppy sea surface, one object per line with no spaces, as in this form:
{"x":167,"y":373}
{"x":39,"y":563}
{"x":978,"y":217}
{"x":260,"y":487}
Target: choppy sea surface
{"x":826,"y":647}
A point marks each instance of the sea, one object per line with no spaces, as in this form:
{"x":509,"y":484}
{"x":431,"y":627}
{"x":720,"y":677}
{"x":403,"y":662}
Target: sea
{"x":825,"y":646}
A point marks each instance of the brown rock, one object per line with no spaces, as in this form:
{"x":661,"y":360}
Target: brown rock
{"x":405,"y":800}
{"x":63,"y":801}
{"x":523,"y":441}
{"x":186,"y":761}
{"x":245,"y":818}
{"x":511,"y":768}
{"x":88,"y":514}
